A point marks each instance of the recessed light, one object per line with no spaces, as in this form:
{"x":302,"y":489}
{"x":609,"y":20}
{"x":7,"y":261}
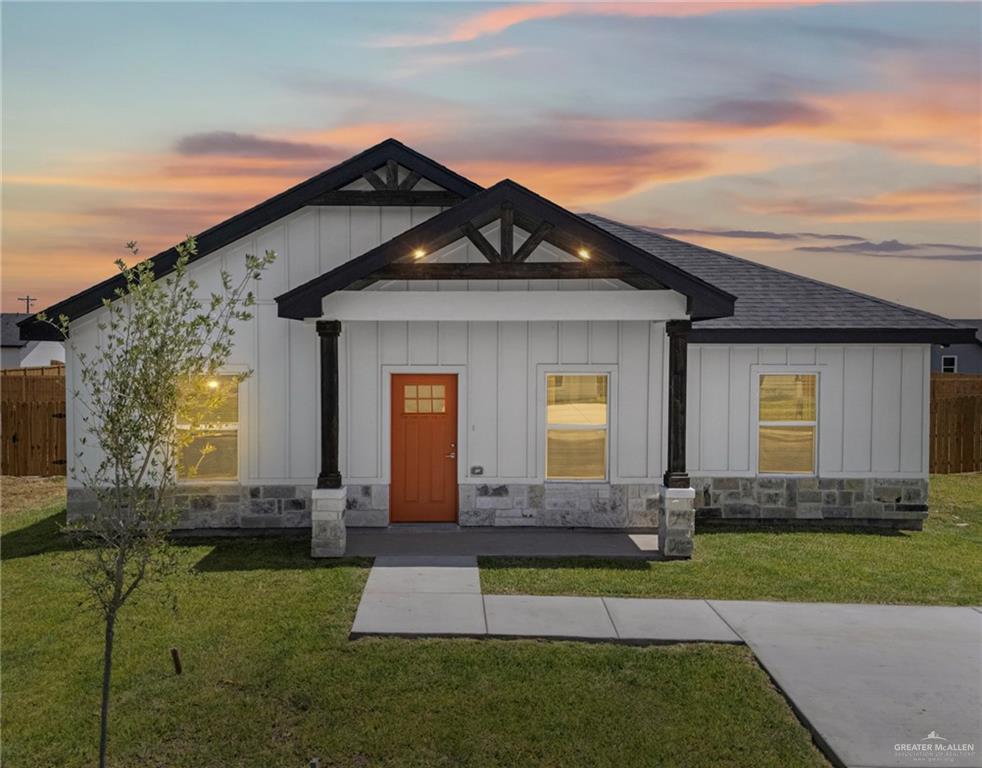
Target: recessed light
{"x":583,"y":253}
{"x":419,"y":253}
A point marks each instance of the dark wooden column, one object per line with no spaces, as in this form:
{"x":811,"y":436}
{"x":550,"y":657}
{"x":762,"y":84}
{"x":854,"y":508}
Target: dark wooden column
{"x":330,"y":475}
{"x":678,"y":341}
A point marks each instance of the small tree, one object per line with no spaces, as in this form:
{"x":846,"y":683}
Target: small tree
{"x":158,"y":342}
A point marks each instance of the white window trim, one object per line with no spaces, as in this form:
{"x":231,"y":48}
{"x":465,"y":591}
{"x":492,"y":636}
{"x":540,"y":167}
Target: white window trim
{"x":954,"y":364}
{"x":543,"y":371}
{"x":756,"y":371}
{"x":241,"y":442}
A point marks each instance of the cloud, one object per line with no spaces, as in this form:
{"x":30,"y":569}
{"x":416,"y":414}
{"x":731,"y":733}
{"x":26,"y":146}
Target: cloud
{"x":763,"y":113}
{"x":897,"y":249}
{"x":422,"y":63}
{"x":864,"y":246}
{"x":958,"y":201}
{"x":778,"y":242}
{"x":750,"y":234}
{"x":230,"y":143}
{"x":497,"y":20}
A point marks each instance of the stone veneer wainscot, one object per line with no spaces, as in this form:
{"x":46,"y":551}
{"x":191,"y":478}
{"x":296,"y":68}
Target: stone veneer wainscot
{"x":834,"y":502}
{"x":223,"y":505}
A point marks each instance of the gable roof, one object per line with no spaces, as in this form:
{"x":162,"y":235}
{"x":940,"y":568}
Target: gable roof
{"x":259,"y":216}
{"x":782,"y":307}
{"x":9,"y":333}
{"x":529,"y":211}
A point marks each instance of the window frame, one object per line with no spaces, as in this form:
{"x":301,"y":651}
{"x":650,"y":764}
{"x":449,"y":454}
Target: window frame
{"x":544,"y":427}
{"x":240,"y":436}
{"x":954,"y":367}
{"x":759,"y":371}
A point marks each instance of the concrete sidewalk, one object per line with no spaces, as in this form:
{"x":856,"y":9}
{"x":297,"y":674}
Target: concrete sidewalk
{"x":873,"y":683}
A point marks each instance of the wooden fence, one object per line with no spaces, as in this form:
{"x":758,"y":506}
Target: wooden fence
{"x":32,"y":421}
{"x":956,"y":423}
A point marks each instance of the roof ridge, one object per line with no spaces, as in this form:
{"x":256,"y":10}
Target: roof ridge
{"x":649,"y":231}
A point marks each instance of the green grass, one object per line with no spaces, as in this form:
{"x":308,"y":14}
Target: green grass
{"x":941,"y":565}
{"x":270,"y":678}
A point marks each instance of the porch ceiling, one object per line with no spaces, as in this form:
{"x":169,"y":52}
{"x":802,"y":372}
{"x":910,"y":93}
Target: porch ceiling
{"x":479,"y":306}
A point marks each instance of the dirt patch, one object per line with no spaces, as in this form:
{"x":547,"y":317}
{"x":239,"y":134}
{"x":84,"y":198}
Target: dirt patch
{"x":20,"y":494}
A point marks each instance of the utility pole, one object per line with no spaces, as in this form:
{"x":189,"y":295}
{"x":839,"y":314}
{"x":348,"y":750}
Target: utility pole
{"x":28,"y":300}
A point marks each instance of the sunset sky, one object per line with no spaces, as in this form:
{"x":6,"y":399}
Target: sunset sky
{"x":837,"y":140}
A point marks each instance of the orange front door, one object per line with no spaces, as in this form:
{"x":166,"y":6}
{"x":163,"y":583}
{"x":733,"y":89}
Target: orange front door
{"x":424,"y":448}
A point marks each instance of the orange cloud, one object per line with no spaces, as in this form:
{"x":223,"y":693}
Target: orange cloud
{"x":495,"y":21}
{"x":938,"y":202}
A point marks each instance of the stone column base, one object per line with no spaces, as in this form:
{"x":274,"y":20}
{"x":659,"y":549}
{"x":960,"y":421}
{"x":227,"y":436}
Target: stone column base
{"x":676,"y":522}
{"x":328,"y":537}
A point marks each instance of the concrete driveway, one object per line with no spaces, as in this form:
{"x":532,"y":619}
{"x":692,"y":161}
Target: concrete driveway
{"x":881,"y":685}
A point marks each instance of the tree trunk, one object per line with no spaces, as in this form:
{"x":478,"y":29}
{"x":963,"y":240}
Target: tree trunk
{"x":107,"y":670}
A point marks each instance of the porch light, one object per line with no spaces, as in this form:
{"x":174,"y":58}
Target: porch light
{"x":583,"y":253}
{"x":419,"y":253}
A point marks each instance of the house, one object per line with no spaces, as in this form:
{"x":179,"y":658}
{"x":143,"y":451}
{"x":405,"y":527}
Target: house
{"x":428,"y":350}
{"x":16,"y":352}
{"x":959,"y":358}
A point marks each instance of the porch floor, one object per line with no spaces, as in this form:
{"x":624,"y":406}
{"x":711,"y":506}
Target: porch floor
{"x":429,"y":540}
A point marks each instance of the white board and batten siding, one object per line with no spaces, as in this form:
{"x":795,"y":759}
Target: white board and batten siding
{"x":873,"y":406}
{"x":279,"y":402}
{"x":500,"y":364}
{"x":502,"y":368}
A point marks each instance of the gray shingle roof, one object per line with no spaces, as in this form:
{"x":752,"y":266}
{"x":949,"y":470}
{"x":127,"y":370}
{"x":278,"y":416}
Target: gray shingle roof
{"x":9,"y":332}
{"x":771,"y":299}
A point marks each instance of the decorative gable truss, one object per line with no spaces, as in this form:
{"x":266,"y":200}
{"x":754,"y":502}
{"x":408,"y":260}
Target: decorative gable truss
{"x":390,"y":173}
{"x":596,"y":254}
{"x":391,"y":184}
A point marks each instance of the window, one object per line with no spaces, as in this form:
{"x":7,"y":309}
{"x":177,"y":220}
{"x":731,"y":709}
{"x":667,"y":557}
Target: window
{"x":949,"y":364}
{"x":576,"y":427}
{"x":424,"y":398}
{"x":787,"y":423}
{"x":209,"y":450}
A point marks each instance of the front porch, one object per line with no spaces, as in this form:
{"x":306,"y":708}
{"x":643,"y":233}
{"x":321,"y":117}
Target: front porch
{"x":558,"y":357}
{"x":432,"y":540}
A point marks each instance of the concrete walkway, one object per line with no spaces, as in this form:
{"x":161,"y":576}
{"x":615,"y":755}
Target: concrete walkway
{"x":875,"y":684}
{"x":441,"y":596}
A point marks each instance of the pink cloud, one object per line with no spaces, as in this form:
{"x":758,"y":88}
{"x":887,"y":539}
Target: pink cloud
{"x":498,"y":20}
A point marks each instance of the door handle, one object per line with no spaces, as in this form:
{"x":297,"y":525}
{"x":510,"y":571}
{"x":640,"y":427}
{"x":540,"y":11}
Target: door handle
{"x":453,"y":452}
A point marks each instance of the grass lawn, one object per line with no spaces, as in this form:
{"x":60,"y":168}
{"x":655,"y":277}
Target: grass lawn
{"x":941,"y":565}
{"x":270,"y":678}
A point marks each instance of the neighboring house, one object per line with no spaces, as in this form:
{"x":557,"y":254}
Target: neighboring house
{"x":18,"y":353}
{"x":425,"y":350}
{"x":959,"y":358}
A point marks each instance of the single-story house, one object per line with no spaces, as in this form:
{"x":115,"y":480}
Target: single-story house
{"x":16,"y":352}
{"x":960,"y":358}
{"x":425,"y":350}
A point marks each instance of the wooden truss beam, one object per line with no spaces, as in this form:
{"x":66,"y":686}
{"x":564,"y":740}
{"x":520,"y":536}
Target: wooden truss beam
{"x":436,"y":199}
{"x":410,"y":181}
{"x":534,"y":240}
{"x":536,"y":270}
{"x":480,"y":242}
{"x":507,"y":231}
{"x":373,"y":178}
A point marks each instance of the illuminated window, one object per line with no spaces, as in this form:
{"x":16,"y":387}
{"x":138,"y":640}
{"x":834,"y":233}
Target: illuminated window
{"x":208,"y":427}
{"x":576,"y":427}
{"x":787,"y":423}
{"x":424,"y":398}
